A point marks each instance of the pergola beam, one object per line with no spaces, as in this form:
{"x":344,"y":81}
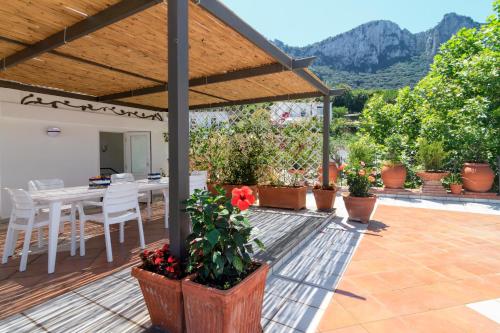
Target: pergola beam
{"x":61,"y":93}
{"x":217,"y":78}
{"x":89,"y":25}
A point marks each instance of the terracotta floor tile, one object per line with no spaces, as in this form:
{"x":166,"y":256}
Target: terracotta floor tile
{"x":469,"y":320}
{"x":350,"y":329}
{"x":395,"y":325}
{"x":336,"y":317}
{"x":432,"y":322}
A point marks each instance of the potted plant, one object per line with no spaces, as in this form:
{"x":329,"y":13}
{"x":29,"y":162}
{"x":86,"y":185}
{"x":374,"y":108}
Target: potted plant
{"x":431,"y":157}
{"x":159,"y":277}
{"x":226,"y":291}
{"x":476,"y":173}
{"x":286,"y":189}
{"x":324,"y":196}
{"x":393,"y":171}
{"x":454,"y":181}
{"x":359,"y":202}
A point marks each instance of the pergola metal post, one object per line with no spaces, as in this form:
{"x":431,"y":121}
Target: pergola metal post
{"x":326,"y":140}
{"x":178,"y":124}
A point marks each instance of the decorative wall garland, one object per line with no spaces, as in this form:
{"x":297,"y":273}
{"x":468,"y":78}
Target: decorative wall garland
{"x":27,"y":100}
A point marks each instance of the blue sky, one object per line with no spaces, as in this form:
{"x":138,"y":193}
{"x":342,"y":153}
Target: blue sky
{"x":301,"y":22}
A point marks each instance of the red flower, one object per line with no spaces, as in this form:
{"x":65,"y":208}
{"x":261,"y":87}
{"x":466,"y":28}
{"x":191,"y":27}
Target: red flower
{"x":158,"y":261}
{"x":170,"y":269}
{"x":171,"y":260}
{"x":166,"y":248}
{"x":342,"y":167}
{"x":146,"y":253}
{"x":242,"y":198}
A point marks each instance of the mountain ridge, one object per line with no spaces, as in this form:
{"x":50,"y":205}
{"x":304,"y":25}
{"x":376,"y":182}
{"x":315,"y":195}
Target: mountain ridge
{"x":378,"y":49}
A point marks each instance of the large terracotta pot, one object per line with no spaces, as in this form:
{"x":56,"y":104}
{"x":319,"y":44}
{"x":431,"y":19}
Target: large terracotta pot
{"x":211,"y":188}
{"x":164,"y":300}
{"x":428,"y":176}
{"x":393,"y":176}
{"x":239,"y":309}
{"x":477,"y":177}
{"x":456,"y":188}
{"x":325,"y":199}
{"x":283,"y":197}
{"x":333,"y":172}
{"x":359,"y":208}
{"x":229,"y":188}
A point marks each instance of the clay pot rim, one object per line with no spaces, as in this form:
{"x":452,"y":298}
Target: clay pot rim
{"x":477,"y":163}
{"x":273,"y":186}
{"x":348,"y":195}
{"x":433,"y":172}
{"x":393,"y":165}
{"x":189,"y":281}
{"x":323,"y":190}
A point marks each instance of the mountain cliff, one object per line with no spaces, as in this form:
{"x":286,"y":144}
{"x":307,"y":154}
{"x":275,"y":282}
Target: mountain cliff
{"x":379,"y":54}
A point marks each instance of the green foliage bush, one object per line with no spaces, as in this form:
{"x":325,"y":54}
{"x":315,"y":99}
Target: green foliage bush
{"x":457,"y":103}
{"x":431,"y":155}
{"x":363,"y":150}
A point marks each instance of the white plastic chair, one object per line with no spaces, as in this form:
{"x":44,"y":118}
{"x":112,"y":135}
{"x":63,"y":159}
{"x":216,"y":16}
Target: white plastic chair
{"x":24,"y":218}
{"x":198,"y":180}
{"x":120,"y":205}
{"x":51,"y":184}
{"x":129,"y":178}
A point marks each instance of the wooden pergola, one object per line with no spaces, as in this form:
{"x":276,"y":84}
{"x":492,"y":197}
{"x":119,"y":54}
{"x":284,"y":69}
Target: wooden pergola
{"x":170,"y":56}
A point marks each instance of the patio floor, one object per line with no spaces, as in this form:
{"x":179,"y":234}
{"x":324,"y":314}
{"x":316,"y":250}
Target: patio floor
{"x":22,"y":290}
{"x":413,"y":270}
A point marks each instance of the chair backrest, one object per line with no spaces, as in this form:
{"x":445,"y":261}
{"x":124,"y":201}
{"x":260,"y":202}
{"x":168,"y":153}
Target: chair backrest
{"x":45,"y":184}
{"x":120,"y":197}
{"x":122,"y":178}
{"x":198,"y":180}
{"x":22,"y":204}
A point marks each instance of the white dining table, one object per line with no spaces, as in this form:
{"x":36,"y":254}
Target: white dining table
{"x":55,"y":198}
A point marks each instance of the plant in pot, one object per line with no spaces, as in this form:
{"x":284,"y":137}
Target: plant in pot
{"x":284,"y":189}
{"x":226,"y":291}
{"x":324,"y":196}
{"x":393,"y":171}
{"x":159,"y":277}
{"x":431,"y":156}
{"x":248,"y":151}
{"x":476,"y":173}
{"x":359,"y":202}
{"x":454,"y":181}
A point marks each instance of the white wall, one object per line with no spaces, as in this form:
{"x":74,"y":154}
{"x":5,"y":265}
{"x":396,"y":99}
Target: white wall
{"x":26,"y":152}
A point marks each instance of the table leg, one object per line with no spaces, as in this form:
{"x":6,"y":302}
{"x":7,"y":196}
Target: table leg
{"x":54,"y":221}
{"x":165,"y":198}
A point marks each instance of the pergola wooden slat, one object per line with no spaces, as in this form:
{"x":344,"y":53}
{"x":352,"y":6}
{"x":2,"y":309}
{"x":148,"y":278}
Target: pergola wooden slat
{"x":166,"y":55}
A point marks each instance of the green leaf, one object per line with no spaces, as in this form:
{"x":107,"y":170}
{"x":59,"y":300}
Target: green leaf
{"x":259,"y":244}
{"x":213,"y":236}
{"x":238,"y":264}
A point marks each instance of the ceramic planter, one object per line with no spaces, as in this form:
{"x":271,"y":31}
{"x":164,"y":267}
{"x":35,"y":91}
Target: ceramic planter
{"x":432,"y":182}
{"x":238,"y":309}
{"x":456,"y":188}
{"x":393,"y":176}
{"x":325,"y":199}
{"x":283,"y":197}
{"x":229,"y":188}
{"x":333,"y":172}
{"x":163,"y":298}
{"x":477,"y":177}
{"x":359,"y":208}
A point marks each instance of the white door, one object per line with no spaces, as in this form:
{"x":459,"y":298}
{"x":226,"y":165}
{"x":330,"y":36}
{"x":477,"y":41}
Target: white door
{"x":138,"y":154}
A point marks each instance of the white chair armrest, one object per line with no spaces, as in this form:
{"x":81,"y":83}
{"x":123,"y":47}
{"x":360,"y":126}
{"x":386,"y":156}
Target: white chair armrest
{"x":92,"y":203}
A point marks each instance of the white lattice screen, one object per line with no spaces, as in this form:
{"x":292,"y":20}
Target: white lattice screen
{"x":296,"y":132}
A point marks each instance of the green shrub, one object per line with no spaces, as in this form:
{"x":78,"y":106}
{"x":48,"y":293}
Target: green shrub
{"x":362,"y":150}
{"x":431,"y":155}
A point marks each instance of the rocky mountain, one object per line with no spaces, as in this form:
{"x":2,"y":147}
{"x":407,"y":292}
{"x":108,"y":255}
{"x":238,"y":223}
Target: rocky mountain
{"x":379,"y":54}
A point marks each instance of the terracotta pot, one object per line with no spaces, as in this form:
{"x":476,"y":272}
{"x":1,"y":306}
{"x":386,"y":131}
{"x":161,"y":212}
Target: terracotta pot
{"x":427,"y":176}
{"x":163,"y":298}
{"x":229,"y":188}
{"x":239,"y":309}
{"x":393,"y":176}
{"x":477,"y":177}
{"x":283,"y":197}
{"x":456,"y":188}
{"x":359,"y":208}
{"x":324,"y":198}
{"x":333,"y":172}
{"x":211,"y":188}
